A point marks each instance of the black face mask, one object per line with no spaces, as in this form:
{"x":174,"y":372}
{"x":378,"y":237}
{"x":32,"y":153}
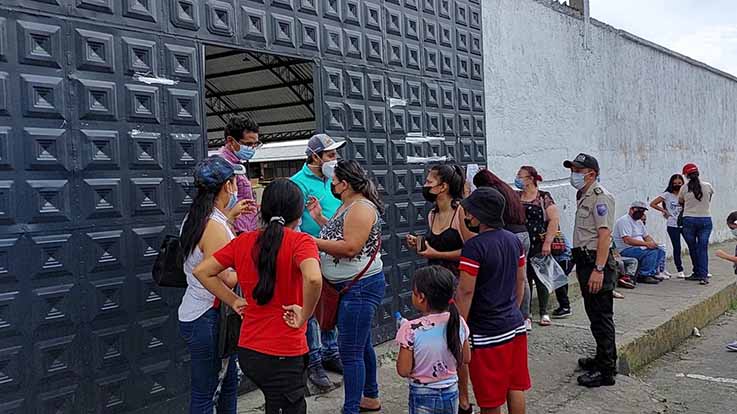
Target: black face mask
{"x":474,"y":229}
{"x":677,"y":188}
{"x":332,"y":190}
{"x":430,"y":197}
{"x":638,"y":215}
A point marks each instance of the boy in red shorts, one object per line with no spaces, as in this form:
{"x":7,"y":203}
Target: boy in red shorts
{"x":489,"y":293}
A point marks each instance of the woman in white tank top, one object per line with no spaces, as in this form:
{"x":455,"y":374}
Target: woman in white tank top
{"x":205,"y":230}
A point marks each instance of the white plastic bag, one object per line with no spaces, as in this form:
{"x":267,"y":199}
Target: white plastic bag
{"x":549,"y":272}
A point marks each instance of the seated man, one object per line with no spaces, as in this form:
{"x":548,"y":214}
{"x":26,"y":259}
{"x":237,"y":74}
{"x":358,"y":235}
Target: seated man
{"x":632,"y":240}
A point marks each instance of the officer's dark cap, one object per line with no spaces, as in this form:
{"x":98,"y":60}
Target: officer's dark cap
{"x":583,"y":161}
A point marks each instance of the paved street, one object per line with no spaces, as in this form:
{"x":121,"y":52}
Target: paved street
{"x":700,"y":376}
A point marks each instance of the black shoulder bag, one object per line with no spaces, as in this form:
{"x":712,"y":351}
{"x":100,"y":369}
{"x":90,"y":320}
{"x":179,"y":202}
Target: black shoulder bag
{"x":168,"y":270}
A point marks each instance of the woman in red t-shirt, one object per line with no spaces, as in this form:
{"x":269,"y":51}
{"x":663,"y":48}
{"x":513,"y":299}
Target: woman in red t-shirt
{"x":279,"y":273}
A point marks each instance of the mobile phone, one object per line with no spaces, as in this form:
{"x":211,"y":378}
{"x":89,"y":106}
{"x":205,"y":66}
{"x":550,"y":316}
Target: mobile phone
{"x":421,"y":244}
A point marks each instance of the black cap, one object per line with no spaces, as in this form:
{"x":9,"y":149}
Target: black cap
{"x":583,"y":161}
{"x":487,"y":205}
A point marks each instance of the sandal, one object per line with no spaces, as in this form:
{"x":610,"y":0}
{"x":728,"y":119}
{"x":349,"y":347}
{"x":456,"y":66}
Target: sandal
{"x":545,"y":320}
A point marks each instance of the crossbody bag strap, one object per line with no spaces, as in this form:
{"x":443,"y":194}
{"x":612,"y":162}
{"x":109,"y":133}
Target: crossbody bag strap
{"x":365,"y":269}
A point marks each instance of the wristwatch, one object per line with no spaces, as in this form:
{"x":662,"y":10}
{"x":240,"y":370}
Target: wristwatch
{"x":600,"y":268}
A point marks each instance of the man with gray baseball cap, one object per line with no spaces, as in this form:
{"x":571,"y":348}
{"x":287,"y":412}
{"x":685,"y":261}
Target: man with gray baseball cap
{"x":632,"y":240}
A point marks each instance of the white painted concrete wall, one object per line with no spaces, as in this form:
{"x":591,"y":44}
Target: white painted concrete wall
{"x":642,"y":110}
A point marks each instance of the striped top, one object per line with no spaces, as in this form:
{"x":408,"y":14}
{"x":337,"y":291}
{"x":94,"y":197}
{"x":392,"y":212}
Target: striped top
{"x":493,"y":258}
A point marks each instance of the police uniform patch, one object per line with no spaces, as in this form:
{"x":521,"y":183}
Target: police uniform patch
{"x":598,"y":191}
{"x":601,"y":210}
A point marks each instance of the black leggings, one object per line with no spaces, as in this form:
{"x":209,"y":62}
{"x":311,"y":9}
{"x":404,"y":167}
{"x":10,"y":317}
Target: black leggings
{"x":281,"y":379}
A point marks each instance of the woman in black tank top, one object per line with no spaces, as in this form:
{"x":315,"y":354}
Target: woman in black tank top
{"x":444,"y":239}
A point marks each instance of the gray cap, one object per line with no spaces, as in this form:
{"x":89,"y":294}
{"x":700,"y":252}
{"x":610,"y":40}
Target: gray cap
{"x":322,"y":142}
{"x":639,"y":204}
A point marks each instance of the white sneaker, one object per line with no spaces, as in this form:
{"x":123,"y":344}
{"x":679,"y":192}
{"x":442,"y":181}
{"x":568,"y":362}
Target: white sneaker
{"x":681,"y":275}
{"x":661,"y":276}
{"x":667,"y":273}
{"x":528,"y":324}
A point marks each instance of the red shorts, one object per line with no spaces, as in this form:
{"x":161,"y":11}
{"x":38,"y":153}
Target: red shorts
{"x":497,"y":370}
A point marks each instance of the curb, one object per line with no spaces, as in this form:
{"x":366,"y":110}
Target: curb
{"x":641,"y":347}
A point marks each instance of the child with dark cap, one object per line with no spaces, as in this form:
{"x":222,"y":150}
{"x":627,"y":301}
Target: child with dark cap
{"x":489,"y":294}
{"x":732,"y":223}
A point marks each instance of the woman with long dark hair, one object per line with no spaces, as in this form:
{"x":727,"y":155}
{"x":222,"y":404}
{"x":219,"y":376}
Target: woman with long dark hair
{"x":205,"y":230}
{"x":668,"y":205}
{"x":514,"y":221}
{"x":279,"y":274}
{"x":444,"y":240}
{"x":697,"y":224}
{"x":349,"y":243}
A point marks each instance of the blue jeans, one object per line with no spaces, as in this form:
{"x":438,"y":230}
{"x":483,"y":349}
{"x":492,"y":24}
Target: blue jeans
{"x":424,"y":400}
{"x":323,"y":344}
{"x":356,"y":313}
{"x":649,"y":259}
{"x":675,"y":239}
{"x":696,"y":232}
{"x":201,"y":336}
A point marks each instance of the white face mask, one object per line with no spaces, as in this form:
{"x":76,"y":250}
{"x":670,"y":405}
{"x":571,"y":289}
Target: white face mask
{"x":328,"y":168}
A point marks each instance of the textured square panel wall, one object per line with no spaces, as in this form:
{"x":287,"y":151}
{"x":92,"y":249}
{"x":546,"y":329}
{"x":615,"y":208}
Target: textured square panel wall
{"x":95,"y":166}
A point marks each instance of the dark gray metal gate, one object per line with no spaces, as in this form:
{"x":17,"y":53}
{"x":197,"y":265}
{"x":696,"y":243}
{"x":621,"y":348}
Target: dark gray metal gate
{"x":95,"y":165}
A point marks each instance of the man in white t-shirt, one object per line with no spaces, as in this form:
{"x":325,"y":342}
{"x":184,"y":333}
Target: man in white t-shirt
{"x":632,"y":240}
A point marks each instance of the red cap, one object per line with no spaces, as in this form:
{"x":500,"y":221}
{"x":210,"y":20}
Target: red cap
{"x":690,"y":168}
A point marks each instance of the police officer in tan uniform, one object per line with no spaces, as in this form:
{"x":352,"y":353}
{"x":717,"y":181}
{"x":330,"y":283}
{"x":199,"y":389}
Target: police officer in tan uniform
{"x":595,"y":267}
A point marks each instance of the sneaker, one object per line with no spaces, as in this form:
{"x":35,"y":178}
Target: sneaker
{"x":595,"y":379}
{"x":681,"y":275}
{"x":617,"y":295}
{"x":562,"y":313}
{"x":648,"y":280}
{"x":319,"y":378}
{"x":704,"y":282}
{"x":625,"y":282}
{"x":333,"y":365}
{"x":667,"y":273}
{"x":662,"y":276}
{"x":528,"y":324}
{"x":732,"y":346}
{"x":692,"y":277}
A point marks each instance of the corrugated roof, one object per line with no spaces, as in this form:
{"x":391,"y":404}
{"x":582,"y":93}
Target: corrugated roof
{"x":278,"y":151}
{"x":275,"y":91}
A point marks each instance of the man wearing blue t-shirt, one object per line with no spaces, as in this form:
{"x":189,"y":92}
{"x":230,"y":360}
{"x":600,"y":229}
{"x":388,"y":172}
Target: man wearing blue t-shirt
{"x":314,"y":180}
{"x":489,"y":294}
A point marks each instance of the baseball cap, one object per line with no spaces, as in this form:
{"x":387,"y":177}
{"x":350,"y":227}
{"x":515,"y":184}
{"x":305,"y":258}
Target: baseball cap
{"x":639,"y":204}
{"x":322,"y":142}
{"x":212,"y":172}
{"x":690,"y":168}
{"x":583,"y":161}
{"x":487,"y":205}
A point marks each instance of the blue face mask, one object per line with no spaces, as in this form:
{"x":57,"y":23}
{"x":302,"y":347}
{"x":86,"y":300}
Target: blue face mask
{"x":519,"y":183}
{"x":578,"y":180}
{"x":245,"y":153}
{"x":232,"y":202}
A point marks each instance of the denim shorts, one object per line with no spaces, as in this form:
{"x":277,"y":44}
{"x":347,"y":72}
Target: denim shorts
{"x":426,"y":400}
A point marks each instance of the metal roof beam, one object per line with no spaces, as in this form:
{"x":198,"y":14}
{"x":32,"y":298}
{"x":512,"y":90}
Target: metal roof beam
{"x":257,"y":89}
{"x":272,"y":123}
{"x":227,"y":53}
{"x":244,"y":71}
{"x":256,"y":108}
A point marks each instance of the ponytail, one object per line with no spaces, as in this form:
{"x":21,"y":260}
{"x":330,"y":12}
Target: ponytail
{"x":452,"y":335}
{"x":281,"y":204}
{"x":197,"y":217}
{"x":267,"y":246}
{"x":694,"y":186}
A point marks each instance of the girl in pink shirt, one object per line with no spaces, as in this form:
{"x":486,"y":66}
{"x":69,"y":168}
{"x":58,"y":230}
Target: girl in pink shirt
{"x":434,"y":346}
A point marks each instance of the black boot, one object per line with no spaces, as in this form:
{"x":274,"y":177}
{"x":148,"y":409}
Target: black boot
{"x":588,"y":364}
{"x":595,"y":379}
{"x":333,"y":365}
{"x":319,"y":378}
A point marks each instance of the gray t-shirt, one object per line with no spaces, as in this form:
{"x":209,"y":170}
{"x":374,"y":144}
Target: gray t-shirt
{"x":673,"y":207}
{"x":693,"y":207}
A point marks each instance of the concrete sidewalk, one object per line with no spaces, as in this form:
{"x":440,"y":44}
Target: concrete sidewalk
{"x":651,"y":320}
